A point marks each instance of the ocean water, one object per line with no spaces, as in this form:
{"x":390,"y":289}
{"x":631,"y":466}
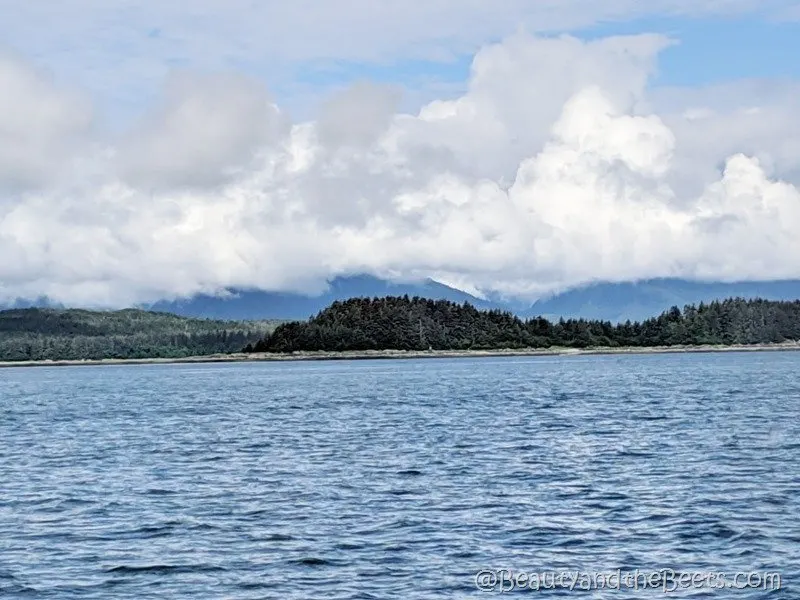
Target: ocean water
{"x":402,"y":478}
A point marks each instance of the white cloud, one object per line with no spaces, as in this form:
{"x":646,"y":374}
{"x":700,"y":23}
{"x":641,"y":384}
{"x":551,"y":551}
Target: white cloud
{"x":123,"y":50}
{"x":40,"y":125}
{"x":517,"y":90}
{"x":356,"y":116}
{"x":205,"y":132}
{"x":753,"y":117}
{"x":555,"y":167}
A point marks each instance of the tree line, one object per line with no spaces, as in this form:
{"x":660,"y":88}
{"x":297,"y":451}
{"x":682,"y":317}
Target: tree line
{"x":403,"y":323}
{"x":56,"y":334}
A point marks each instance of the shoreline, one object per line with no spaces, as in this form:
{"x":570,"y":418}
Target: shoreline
{"x":405,"y":354}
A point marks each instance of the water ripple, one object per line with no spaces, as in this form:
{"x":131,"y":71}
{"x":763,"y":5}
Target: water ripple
{"x":395,"y":478}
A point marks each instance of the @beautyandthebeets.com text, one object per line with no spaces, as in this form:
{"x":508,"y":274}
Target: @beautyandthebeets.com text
{"x":667,"y":580}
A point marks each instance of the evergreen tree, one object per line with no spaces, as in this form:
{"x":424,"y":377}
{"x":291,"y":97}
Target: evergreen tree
{"x":403,"y":323}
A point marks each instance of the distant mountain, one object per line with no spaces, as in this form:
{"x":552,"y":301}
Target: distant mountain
{"x":256,"y":304}
{"x":617,"y":302}
{"x":614,"y":302}
{"x":40,"y":302}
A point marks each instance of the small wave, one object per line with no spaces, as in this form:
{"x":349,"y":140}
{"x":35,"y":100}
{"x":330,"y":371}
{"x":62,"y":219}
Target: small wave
{"x":611,"y":496}
{"x":146,"y":531}
{"x":409,"y":473}
{"x":279,"y":537}
{"x":162,"y":569}
{"x":572,"y":542}
{"x":402,"y":492}
{"x":313,"y":561}
{"x":160,"y":492}
{"x":635,"y":454}
{"x":350,"y":546}
{"x":258,"y":446}
{"x":19,"y":591}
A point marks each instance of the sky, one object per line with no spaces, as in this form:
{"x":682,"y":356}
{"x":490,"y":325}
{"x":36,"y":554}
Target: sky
{"x":152,"y":150}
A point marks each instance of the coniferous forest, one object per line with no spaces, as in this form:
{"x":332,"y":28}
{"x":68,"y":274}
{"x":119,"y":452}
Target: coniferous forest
{"x":403,"y":323}
{"x":56,"y":334}
{"x":390,"y":323}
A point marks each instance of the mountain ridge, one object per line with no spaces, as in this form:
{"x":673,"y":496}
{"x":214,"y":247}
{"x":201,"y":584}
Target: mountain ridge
{"x":245,"y":304}
{"x":615,"y":302}
{"x":618,"y":302}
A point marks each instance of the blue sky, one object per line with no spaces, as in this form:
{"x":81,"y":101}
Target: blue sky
{"x":711,"y":51}
{"x":706,"y":52}
{"x":122,"y":55}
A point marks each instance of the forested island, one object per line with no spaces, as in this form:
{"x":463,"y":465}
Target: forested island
{"x":419,"y":324}
{"x":388,"y":325}
{"x":35,"y":334}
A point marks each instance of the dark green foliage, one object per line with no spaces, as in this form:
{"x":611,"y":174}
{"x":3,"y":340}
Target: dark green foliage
{"x":403,"y":323}
{"x":49,"y":334}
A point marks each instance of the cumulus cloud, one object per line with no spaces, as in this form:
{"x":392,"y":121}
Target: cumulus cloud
{"x":207,"y":129}
{"x":554,"y":168}
{"x":356,"y":116}
{"x":40,"y":125}
{"x":710,"y":123}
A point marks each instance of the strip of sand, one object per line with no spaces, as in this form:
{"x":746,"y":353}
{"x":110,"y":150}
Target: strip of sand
{"x":403,"y":354}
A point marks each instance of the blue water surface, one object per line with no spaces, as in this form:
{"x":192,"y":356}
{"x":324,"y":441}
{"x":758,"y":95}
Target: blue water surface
{"x":397,"y":478}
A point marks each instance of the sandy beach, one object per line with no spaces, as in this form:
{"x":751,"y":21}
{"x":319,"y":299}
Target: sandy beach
{"x":402,"y":354}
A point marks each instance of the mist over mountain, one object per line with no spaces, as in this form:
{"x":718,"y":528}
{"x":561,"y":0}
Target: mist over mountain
{"x":640,"y":300}
{"x":605,"y":301}
{"x":615,"y":302}
{"x":257,"y":304}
